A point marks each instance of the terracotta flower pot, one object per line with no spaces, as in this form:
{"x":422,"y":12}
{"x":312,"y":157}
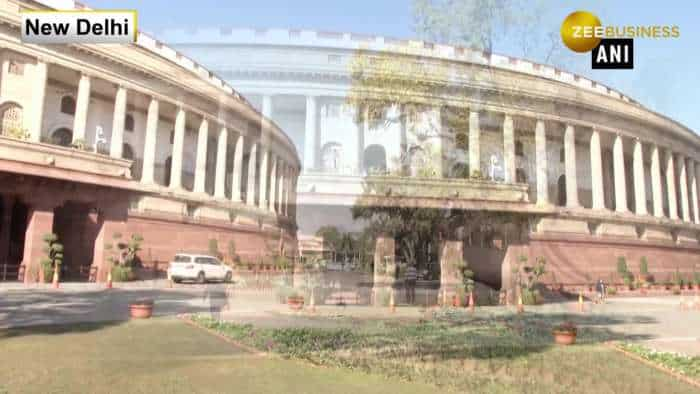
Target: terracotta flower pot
{"x":295,"y":303}
{"x":564,"y":337}
{"x":142,"y":309}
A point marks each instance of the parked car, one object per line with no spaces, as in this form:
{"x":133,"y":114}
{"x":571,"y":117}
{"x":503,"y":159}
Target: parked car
{"x":198,"y":267}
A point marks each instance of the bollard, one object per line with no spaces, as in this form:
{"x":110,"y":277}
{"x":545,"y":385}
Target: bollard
{"x":392,"y":304}
{"x":521,"y":307}
{"x":580,"y":302}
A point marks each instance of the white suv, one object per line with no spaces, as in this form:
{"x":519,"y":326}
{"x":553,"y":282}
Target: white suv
{"x":198,"y":267}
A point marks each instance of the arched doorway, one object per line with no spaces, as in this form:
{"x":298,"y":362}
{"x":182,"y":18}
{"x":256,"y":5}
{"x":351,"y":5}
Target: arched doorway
{"x":561,"y":191}
{"x":76,"y":225}
{"x":62,"y":137}
{"x":375,"y":159}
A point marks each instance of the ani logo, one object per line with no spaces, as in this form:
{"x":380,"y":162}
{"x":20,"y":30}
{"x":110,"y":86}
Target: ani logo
{"x":582,"y":32}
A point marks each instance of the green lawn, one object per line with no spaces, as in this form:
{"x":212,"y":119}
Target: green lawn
{"x":161,"y":356}
{"x":467,"y":353}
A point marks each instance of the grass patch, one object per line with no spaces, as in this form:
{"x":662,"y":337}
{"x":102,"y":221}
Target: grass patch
{"x":682,"y":364}
{"x":465,"y":352}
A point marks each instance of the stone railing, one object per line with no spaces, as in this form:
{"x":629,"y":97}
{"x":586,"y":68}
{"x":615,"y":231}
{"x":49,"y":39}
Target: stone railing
{"x":62,"y":158}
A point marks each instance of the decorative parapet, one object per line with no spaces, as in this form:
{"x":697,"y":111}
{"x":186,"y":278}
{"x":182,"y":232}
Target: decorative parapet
{"x":349,"y":41}
{"x":72,"y":162}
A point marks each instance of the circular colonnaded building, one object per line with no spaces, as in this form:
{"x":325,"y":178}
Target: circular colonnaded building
{"x":98,"y":140}
{"x":596,"y":175}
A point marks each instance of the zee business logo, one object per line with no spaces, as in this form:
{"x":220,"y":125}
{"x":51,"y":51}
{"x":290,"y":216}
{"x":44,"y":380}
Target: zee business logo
{"x":83,"y":26}
{"x":611,"y":47}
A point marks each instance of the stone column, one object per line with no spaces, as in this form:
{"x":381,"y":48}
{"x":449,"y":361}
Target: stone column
{"x":220,"y":178}
{"x":570,"y":167}
{"x":8,"y":203}
{"x":541,"y":163}
{"x":508,"y":149}
{"x":178,"y":147}
{"x":597,"y":171}
{"x":671,"y":186}
{"x":273,"y":182}
{"x":34,"y":122}
{"x":110,"y":221}
{"x":360,"y":127}
{"x":39,"y":223}
{"x":640,"y":198}
{"x":117,"y":139}
{"x":149,"y":148}
{"x":693,"y":169}
{"x":452,"y":252}
{"x":287,"y":190}
{"x":264,"y":157}
{"x":200,"y":169}
{"x":474,"y":148}
{"x":619,"y":172}
{"x":236,"y":185}
{"x":384,"y":265}
{"x":310,"y":134}
{"x":252,"y":163}
{"x":81,"y":108}
{"x":281,"y":189}
{"x":656,"y":189}
{"x":683,"y":182}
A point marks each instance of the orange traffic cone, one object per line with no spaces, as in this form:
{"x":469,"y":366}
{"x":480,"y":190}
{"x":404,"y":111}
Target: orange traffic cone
{"x":580,"y":302}
{"x":55,"y":278}
{"x":521,"y":307}
{"x":109,"y":279}
{"x":392,"y":304}
{"x":472,"y":304}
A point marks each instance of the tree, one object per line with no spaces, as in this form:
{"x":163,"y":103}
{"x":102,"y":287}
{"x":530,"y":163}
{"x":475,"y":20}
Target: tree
{"x":53,"y":258}
{"x":332,"y":237}
{"x":492,"y":25}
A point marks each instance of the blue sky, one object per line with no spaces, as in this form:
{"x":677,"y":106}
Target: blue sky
{"x":666,"y":77}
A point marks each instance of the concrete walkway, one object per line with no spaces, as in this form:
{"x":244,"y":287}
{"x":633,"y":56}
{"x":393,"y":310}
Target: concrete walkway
{"x":657,"y":321}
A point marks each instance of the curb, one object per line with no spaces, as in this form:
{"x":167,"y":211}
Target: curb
{"x":187,"y":319}
{"x":658,"y":367}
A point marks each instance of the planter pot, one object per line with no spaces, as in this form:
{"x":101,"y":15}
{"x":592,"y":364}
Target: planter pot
{"x":142,"y":309}
{"x":564,"y":337}
{"x":295,"y":303}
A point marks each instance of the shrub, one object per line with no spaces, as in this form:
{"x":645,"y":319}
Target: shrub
{"x":612,"y":290}
{"x":53,"y":257}
{"x":531,"y":296}
{"x":122,"y":273}
{"x":644,"y":266}
{"x":622,"y":266}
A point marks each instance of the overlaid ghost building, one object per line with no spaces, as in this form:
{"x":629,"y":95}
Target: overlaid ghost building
{"x":596,"y":174}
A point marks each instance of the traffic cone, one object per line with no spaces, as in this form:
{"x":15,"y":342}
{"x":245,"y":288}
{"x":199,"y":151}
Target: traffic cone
{"x":521,"y":307}
{"x":55,"y":278}
{"x":580,"y":302}
{"x":472,"y":304}
{"x":109,"y":279}
{"x":392,"y":304}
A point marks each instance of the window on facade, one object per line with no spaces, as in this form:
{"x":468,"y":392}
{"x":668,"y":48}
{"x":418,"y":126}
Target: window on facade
{"x":68,"y":105}
{"x":519,"y":151}
{"x":172,"y":136}
{"x":520,"y":176}
{"x":129,"y":122}
{"x":562,"y":155}
{"x":331,"y":157}
{"x":11,"y":119}
{"x":16,"y":67}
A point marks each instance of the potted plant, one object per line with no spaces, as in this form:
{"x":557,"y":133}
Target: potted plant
{"x":564,"y":333}
{"x":696,"y":280}
{"x":295,"y":301}
{"x":141,"y":309}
